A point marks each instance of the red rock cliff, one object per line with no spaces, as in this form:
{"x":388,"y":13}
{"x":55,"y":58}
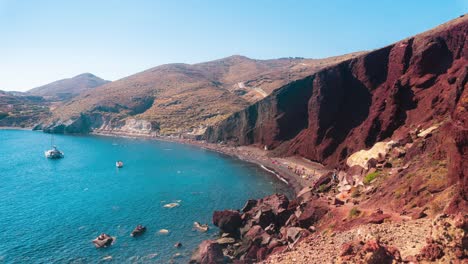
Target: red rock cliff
{"x":384,"y":93}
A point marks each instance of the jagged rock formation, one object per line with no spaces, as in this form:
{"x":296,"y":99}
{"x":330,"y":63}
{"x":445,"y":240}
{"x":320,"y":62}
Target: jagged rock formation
{"x":393,"y":122}
{"x":68,"y":88}
{"x":267,"y":225}
{"x":348,"y":107}
{"x":326,"y":117}
{"x":181,"y":98}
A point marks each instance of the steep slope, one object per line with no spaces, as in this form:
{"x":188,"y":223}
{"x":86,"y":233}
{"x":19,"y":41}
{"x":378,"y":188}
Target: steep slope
{"x":327,"y":116}
{"x":392,"y":126}
{"x":179,"y":98}
{"x":68,"y":88}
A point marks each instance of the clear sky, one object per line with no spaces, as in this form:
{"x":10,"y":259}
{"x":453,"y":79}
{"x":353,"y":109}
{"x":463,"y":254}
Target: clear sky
{"x":43,"y":41}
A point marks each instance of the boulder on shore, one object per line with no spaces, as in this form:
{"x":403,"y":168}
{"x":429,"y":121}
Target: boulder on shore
{"x":208,"y":252}
{"x":229,"y":221}
{"x":311,"y":213}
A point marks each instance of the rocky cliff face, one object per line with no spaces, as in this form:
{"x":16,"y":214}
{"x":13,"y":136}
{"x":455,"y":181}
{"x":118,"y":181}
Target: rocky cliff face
{"x":337,"y":111}
{"x":393,"y":122}
{"x":183,"y":98}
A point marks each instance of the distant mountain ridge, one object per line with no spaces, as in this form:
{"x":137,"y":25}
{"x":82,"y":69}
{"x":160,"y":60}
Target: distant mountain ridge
{"x":178,"y":98}
{"x":68,"y":88}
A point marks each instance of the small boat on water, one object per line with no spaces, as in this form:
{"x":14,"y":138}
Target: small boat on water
{"x":119,"y":164}
{"x":103,"y":240}
{"x":53,"y":153}
{"x":138,"y":231}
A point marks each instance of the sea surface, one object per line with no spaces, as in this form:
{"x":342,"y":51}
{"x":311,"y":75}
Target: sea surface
{"x":51,"y":210}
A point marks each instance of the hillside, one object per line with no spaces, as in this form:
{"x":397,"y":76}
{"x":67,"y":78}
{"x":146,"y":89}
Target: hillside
{"x":68,"y":88}
{"x":181,"y":98}
{"x":391,"y":126}
{"x":419,"y":81}
{"x":21,"y":110}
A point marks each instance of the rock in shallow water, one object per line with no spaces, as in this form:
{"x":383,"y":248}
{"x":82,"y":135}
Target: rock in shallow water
{"x":171,"y":205}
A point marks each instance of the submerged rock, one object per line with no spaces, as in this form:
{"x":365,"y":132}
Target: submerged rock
{"x":103,"y":240}
{"x":171,"y":205}
{"x":138,"y":231}
{"x":163,"y":232}
{"x":201,"y":227}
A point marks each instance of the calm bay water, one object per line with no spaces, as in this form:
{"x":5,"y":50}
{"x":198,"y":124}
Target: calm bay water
{"x":51,"y":210}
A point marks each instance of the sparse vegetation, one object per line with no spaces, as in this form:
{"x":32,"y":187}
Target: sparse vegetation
{"x":354,"y":212}
{"x":370,"y":177}
{"x":355,"y":192}
{"x":322,"y":188}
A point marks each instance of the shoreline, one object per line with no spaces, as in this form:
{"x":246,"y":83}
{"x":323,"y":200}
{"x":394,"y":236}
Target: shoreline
{"x":15,"y":128}
{"x":285,"y":176}
{"x":292,"y":180}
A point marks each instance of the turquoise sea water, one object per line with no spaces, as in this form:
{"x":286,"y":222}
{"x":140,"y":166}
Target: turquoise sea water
{"x":51,"y":210}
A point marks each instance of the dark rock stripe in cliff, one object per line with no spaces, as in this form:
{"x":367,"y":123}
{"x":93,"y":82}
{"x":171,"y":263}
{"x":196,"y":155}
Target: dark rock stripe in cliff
{"x":350,"y":106}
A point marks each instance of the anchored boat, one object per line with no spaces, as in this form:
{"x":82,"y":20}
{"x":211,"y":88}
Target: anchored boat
{"x":53,"y":153}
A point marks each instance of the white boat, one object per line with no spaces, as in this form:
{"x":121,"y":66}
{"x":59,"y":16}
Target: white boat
{"x":53,"y":153}
{"x":119,"y":164}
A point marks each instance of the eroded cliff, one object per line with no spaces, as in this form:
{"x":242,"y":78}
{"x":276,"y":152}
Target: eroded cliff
{"x":335,"y":112}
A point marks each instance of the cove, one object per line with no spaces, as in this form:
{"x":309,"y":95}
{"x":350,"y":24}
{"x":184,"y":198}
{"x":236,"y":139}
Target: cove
{"x":51,"y":210}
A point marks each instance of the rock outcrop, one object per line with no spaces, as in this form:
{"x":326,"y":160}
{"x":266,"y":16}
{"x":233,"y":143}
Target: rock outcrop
{"x":393,"y":122}
{"x":380,"y":96}
{"x":208,"y":252}
{"x":268,"y":225}
{"x":351,"y":106}
{"x":448,"y":240}
{"x":370,"y":252}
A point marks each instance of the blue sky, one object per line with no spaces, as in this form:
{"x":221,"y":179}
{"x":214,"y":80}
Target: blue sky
{"x":43,"y":41}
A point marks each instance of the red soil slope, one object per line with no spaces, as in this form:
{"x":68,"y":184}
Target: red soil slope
{"x":417,"y":82}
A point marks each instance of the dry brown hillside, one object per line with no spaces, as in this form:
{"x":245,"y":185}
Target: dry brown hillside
{"x":177,"y":98}
{"x":21,"y":110}
{"x":68,"y":88}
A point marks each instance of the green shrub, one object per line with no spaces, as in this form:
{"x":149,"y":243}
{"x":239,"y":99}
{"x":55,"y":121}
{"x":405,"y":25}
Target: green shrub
{"x":322,"y":188}
{"x":354,"y":212}
{"x":370,"y":177}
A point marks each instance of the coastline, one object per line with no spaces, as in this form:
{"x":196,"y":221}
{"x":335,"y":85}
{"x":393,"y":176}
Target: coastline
{"x":289,"y":178}
{"x":270,"y":165}
{"x":15,"y":128}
